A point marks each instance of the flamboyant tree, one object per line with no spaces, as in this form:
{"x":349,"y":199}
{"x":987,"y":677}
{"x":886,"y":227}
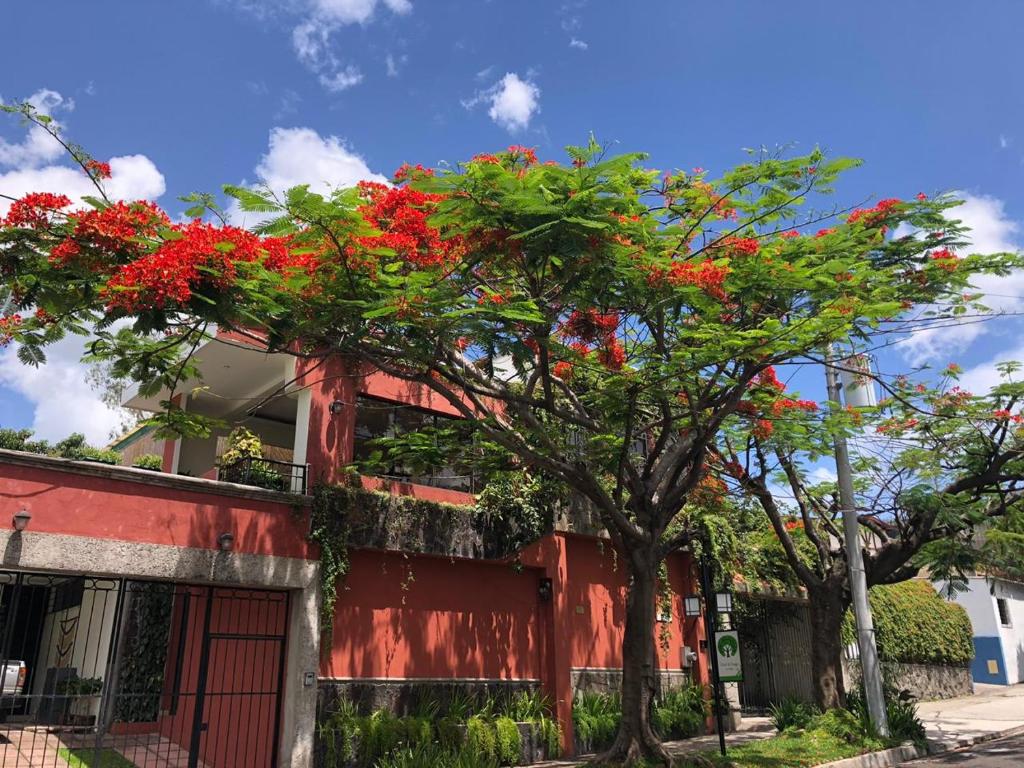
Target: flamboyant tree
{"x":569,"y":312}
{"x":936,"y":467}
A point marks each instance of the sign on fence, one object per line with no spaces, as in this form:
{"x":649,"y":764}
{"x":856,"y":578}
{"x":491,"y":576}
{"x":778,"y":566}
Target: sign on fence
{"x":727,"y":648}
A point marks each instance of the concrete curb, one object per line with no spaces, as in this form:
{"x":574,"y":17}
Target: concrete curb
{"x":889,"y":758}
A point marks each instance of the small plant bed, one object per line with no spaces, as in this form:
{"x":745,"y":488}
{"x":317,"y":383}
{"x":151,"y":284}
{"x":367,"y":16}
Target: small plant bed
{"x":470,"y":735}
{"x":87,"y":757}
{"x":679,"y":713}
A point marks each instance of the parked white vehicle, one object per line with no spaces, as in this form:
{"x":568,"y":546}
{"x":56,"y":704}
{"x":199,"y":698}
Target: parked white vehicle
{"x":12,"y":677}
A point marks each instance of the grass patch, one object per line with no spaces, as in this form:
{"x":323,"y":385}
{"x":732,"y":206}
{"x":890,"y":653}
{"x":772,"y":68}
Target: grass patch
{"x":795,"y":749}
{"x":86,"y":757}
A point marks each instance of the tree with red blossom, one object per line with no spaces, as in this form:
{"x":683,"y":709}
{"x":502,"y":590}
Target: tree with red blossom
{"x":632,"y":305}
{"x":939,"y":487}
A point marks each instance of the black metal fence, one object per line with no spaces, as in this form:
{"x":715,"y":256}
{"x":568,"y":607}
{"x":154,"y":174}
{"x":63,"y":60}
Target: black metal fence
{"x":266,"y":473}
{"x":113,"y":673}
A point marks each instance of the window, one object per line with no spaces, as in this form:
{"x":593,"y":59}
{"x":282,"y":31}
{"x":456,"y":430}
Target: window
{"x":1004,"y":611}
{"x":382,"y":418}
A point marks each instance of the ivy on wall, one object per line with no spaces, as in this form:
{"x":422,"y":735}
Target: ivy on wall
{"x":509,"y":514}
{"x":144,"y":657}
{"x":915,"y":625}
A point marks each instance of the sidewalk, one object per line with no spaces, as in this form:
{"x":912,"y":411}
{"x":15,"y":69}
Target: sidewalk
{"x":751,"y":729}
{"x":990,"y":712}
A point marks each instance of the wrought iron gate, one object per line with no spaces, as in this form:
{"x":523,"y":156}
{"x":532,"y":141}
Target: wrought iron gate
{"x":117,"y":672}
{"x":775,"y":648}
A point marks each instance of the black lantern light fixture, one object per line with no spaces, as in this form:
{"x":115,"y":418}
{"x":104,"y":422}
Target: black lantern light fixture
{"x":21,"y":519}
{"x":544,"y":590}
{"x":226,"y":541}
{"x":723,"y":602}
{"x":336,"y":407}
{"x":691,"y":606}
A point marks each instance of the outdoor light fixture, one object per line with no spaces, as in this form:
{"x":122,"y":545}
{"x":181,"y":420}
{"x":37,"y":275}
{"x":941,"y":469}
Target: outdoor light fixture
{"x":336,"y":407}
{"x":20,"y":520}
{"x":544,"y":590}
{"x":226,"y":541}
{"x":723,"y":601}
{"x":691,"y":605}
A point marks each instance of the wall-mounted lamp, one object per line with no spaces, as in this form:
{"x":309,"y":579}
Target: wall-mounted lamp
{"x":226,"y":541}
{"x":544,"y":590}
{"x":21,"y":519}
{"x":691,"y":605}
{"x":723,"y":602}
{"x":336,"y":407}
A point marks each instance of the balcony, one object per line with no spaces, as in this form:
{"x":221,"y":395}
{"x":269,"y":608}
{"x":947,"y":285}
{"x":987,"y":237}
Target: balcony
{"x":266,"y":473}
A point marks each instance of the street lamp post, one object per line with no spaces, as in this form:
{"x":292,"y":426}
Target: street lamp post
{"x":712,"y":604}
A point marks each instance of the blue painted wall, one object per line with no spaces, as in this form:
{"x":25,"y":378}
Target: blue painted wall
{"x":986,"y":648}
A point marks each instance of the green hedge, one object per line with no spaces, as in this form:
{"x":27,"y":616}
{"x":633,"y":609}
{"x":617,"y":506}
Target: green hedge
{"x":915,"y":625}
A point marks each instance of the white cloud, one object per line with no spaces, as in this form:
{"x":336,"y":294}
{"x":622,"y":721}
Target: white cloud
{"x":982,"y":377}
{"x":302,"y":156}
{"x":513,"y":102}
{"x":577,"y":43}
{"x":312,"y":37}
{"x":62,"y":399}
{"x":992,"y":231}
{"x":38,"y":146}
{"x":133,"y":177}
{"x":394,"y":64}
{"x":1003,"y":141}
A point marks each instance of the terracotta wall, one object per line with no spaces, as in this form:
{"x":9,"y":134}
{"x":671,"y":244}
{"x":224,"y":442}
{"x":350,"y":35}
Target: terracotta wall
{"x":108,"y":504}
{"x":434,"y":617}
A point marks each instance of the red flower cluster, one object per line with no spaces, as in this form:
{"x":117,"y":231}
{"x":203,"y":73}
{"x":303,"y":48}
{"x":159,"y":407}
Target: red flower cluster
{"x":945,"y":259}
{"x":706,"y":275}
{"x":486,"y":158}
{"x":202,"y":257}
{"x":768,"y":379}
{"x":8,"y":325}
{"x":763,"y":429}
{"x":407,"y":172}
{"x":873,"y":217}
{"x":1004,"y":415}
{"x":117,"y":229}
{"x":528,"y":155}
{"x":98,"y":169}
{"x":400,"y":213}
{"x":786,"y":404}
{"x":740,"y":246}
{"x":896,"y":426}
{"x":709,"y":491}
{"x":590,"y":325}
{"x":34,"y":209}
{"x":611,"y":354}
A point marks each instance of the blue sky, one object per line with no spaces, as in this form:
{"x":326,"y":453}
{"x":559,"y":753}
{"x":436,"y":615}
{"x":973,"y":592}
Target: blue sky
{"x":195,"y":94}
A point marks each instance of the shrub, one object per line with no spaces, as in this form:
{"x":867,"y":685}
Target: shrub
{"x":680,"y":713}
{"x":900,"y":709}
{"x":791,"y":712}
{"x":149,"y":461}
{"x":595,"y":717}
{"x":840,"y":724}
{"x":509,"y":743}
{"x":481,"y":738}
{"x":914,"y":625}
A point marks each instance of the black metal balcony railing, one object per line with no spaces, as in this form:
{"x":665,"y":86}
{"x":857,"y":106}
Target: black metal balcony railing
{"x":266,"y":473}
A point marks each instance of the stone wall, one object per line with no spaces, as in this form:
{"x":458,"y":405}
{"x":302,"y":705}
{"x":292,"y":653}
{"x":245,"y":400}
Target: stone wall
{"x":593,"y":680}
{"x":925,"y":681}
{"x":406,"y":697}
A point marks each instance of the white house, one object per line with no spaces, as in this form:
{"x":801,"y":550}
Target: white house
{"x":996,"y":609}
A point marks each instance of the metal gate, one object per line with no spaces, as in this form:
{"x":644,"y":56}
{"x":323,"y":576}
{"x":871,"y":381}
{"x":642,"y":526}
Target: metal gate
{"x":111,"y":673}
{"x":775,"y":650}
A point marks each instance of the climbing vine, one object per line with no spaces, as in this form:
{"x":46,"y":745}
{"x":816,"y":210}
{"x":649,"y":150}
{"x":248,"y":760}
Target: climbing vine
{"x":345,"y":516}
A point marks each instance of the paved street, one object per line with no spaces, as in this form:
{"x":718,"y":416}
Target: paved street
{"x":1003,"y":753}
{"x":993,"y":709}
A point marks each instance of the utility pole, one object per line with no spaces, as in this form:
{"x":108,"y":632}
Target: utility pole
{"x":870,"y":668}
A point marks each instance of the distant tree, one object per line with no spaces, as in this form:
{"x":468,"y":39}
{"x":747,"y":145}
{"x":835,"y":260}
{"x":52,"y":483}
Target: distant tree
{"x":936,"y":467}
{"x":598,"y":320}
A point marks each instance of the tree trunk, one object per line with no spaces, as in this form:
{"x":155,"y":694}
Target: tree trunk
{"x":828,"y":605}
{"x":636,"y":738}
